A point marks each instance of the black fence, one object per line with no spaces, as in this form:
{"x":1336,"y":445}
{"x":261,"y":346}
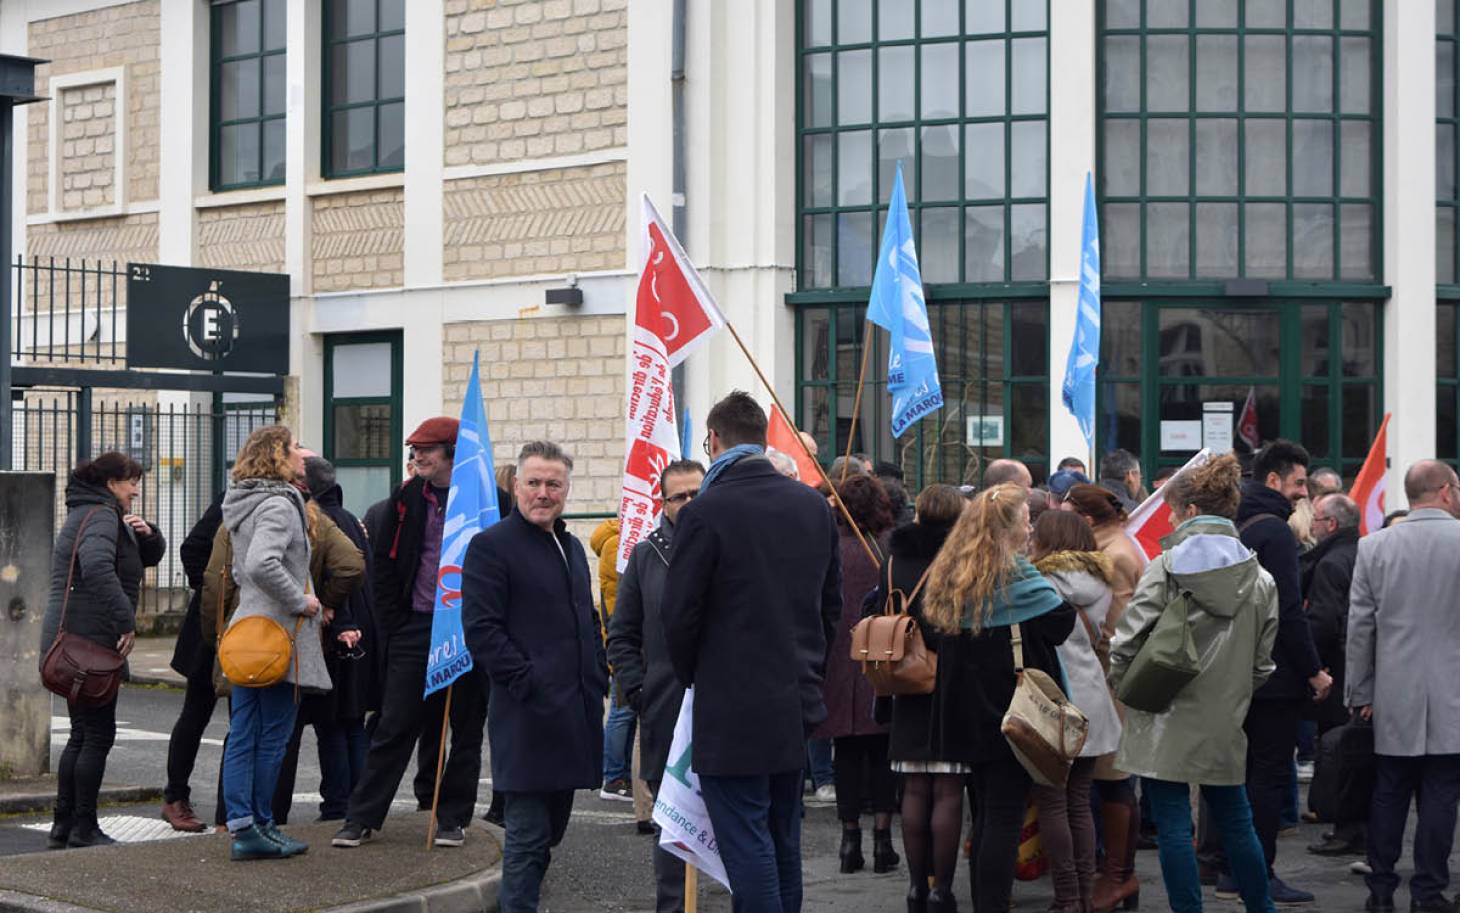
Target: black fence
{"x":68,"y":311}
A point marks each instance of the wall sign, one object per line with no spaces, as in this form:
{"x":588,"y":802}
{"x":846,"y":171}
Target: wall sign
{"x":207,"y":319}
{"x":985,"y":431}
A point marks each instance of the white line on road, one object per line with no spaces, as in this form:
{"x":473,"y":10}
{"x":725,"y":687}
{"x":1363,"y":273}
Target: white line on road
{"x":127,"y":734}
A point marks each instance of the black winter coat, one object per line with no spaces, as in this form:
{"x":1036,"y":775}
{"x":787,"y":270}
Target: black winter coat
{"x":357,"y":681}
{"x":191,"y":657}
{"x":1277,"y":552}
{"x":639,"y":654}
{"x":752,"y":598}
{"x":397,"y":556}
{"x":110,"y":562}
{"x":1327,"y":571}
{"x":530,"y":624}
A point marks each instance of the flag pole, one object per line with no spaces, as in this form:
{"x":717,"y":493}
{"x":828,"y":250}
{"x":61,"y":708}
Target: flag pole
{"x":857,"y":400}
{"x":836,"y":498}
{"x":691,"y":888}
{"x":440,"y":766}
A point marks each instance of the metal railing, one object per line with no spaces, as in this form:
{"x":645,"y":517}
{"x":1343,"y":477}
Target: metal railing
{"x":69,"y":311}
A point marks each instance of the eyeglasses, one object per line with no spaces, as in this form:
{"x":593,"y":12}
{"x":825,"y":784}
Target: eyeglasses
{"x":416,"y":451}
{"x":706,"y":443}
{"x":682,"y":496}
{"x":355,"y":652}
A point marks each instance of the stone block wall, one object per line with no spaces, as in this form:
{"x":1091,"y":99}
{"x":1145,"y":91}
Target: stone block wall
{"x":247,"y":237}
{"x":359,"y":240}
{"x":534,"y":78}
{"x":88,"y":147}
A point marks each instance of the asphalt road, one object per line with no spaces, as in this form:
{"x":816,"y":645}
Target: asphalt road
{"x":604,"y":864}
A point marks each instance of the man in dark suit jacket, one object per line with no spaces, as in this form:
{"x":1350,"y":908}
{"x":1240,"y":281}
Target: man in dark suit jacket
{"x":527,"y":609}
{"x":750,"y":604}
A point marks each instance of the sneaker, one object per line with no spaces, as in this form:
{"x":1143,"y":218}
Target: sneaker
{"x":289,"y":845}
{"x":251,"y":843}
{"x":1227,"y":887}
{"x":1305,"y":771}
{"x":618,"y":790}
{"x":1436,"y":904}
{"x":826,"y":793}
{"x":352,"y":835}
{"x":1360,"y":867}
{"x":1377,"y":904}
{"x":1335,"y":847}
{"x":450,"y":836}
{"x":1284,"y":895}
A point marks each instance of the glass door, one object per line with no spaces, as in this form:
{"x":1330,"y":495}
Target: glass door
{"x":362,"y":414}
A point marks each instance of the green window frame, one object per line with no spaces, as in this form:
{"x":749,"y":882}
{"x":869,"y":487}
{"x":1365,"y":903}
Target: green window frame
{"x":363,"y":37}
{"x":1220,"y":217}
{"x":1447,"y":382}
{"x":246,"y":94}
{"x":1447,"y":147}
{"x":872,"y":88}
{"x":369,"y":423}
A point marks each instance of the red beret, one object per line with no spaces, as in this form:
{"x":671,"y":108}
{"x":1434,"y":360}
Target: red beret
{"x":438,"y":430}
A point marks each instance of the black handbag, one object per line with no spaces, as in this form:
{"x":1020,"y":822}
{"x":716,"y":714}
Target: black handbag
{"x":82,"y":671}
{"x":1343,"y":773}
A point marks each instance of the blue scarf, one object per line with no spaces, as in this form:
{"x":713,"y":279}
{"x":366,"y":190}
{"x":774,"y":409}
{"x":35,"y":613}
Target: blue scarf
{"x":1026,"y":596}
{"x":727,"y":459}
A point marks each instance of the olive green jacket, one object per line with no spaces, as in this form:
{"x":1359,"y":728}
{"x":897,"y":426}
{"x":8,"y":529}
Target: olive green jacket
{"x":1234,"y":618}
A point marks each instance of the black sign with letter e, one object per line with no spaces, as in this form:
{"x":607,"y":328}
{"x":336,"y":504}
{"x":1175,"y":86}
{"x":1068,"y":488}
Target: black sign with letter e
{"x":207,"y":319}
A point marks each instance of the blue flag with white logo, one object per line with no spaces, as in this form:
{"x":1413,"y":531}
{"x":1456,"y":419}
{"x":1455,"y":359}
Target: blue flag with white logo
{"x":897,"y":306}
{"x":471,"y":506}
{"x":686,"y":437}
{"x":1079,"y":387}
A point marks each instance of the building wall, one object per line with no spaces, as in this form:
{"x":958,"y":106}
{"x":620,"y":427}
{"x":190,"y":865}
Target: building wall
{"x":245,"y":237}
{"x":358,"y":240}
{"x":88,"y":147}
{"x":123,"y":239}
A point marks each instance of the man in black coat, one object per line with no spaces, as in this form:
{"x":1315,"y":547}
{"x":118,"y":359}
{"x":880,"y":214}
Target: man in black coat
{"x":640,"y":657}
{"x":750,"y":604}
{"x":527,"y":608}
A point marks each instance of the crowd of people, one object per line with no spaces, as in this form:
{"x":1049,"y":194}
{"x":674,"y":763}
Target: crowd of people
{"x":1306,"y":637}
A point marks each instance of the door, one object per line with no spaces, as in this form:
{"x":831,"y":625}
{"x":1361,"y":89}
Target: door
{"x":362,"y":414}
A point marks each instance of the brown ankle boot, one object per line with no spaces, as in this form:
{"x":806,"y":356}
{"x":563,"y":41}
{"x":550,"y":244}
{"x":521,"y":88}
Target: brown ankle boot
{"x":1117,"y":886}
{"x":180,"y":815}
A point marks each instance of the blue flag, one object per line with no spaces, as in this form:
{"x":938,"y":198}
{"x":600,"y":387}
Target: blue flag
{"x":686,"y":437}
{"x":1079,"y":388}
{"x":897,"y":306}
{"x":471,"y":506}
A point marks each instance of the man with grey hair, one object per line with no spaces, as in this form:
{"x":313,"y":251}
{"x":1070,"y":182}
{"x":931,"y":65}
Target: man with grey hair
{"x":530,"y":622}
{"x":1001,"y":471}
{"x":1323,"y":481}
{"x":1120,"y":473}
{"x":783,"y":462}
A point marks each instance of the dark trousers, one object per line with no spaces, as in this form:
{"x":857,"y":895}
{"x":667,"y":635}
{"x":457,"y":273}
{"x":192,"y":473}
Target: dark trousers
{"x":862,"y":773}
{"x":668,"y":873}
{"x":338,"y":769}
{"x":403,"y":714}
{"x":428,"y":748}
{"x":83,"y":760}
{"x":1000,"y":793}
{"x":757,"y":823}
{"x":535,"y":824}
{"x":187,"y":735}
{"x":1272,"y":737}
{"x":1434,"y":781}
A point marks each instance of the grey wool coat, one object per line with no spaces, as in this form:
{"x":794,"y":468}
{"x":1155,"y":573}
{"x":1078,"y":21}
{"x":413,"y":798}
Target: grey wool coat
{"x":265,"y":519}
{"x":1404,"y":634}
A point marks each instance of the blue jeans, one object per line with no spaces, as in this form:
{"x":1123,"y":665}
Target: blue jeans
{"x":258,"y":733}
{"x":618,"y":736}
{"x":757,"y":823}
{"x":535,"y":824}
{"x":818,"y":757}
{"x":1171,"y":810}
{"x":1290,"y":804}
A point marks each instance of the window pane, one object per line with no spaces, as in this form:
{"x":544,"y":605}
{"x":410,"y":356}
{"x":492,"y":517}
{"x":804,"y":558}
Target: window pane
{"x":1312,"y":240}
{"x":1445,"y":79}
{"x":1120,"y":239}
{"x":1356,"y":150}
{"x":352,"y":17}
{"x":940,"y":80}
{"x":1120,"y":338}
{"x":238,"y":154}
{"x":1267,"y":158}
{"x":1216,"y":73}
{"x":1029,"y":73}
{"x":1168,"y":69}
{"x":1445,"y":340}
{"x":353,"y":79}
{"x":274,"y":25}
{"x":815,"y":343}
{"x":238,"y":90}
{"x":1168,"y":240}
{"x":1219,"y":342}
{"x":854,"y":21}
{"x":816,"y":256}
{"x":854,"y":87}
{"x":352,"y":140}
{"x":1312,"y":158}
{"x":1029,"y":333}
{"x":1445,"y":245}
{"x":1444,"y":16}
{"x":1028,"y":164}
{"x":1216,"y":14}
{"x":1216,"y":240}
{"x":1119,"y":14}
{"x":1028,"y":17}
{"x":1353,"y":14}
{"x":392,"y":15}
{"x":1168,"y":157}
{"x":1120,"y":416}
{"x":274,"y":84}
{"x":985,"y":78}
{"x":1216,"y":157}
{"x":1166,"y":14}
{"x":1122,"y":172}
{"x":1313,"y":420}
{"x":817,"y":179}
{"x":1122,"y":73}
{"x":1266,"y":14}
{"x":854,"y":169}
{"x":940,"y":163}
{"x":938,"y":245}
{"x":360,"y":370}
{"x":1265,"y":69}
{"x":1314,"y":341}
{"x":1266,"y":240}
{"x":818,"y":22}
{"x":854,"y":249}
{"x":983,"y":161}
{"x":1027,"y":242}
{"x":1359,"y":340}
{"x":392,"y":136}
{"x":393,"y":67}
{"x":940,"y":17}
{"x":363,"y":432}
{"x":1356,"y":241}
{"x":982,"y":17}
{"x":1444,"y":161}
{"x":1313,"y":14}
{"x":894,"y":146}
{"x":274,"y":150}
{"x":895,"y":84}
{"x":1354,"y":79}
{"x":1445,"y":422}
{"x":895,"y":21}
{"x":239,"y":27}
{"x":1312,"y":73}
{"x":818,"y":90}
{"x":984,"y":244}
{"x":1358,"y":420}
{"x":1029,"y":415}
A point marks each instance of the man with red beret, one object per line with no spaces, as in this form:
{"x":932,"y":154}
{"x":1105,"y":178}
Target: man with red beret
{"x":407,"y":557}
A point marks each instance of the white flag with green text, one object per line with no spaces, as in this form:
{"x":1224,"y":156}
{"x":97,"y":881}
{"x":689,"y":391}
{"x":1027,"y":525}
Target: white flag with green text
{"x":685,"y":828}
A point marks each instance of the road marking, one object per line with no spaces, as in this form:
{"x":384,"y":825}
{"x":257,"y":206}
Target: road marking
{"x":128,"y":829}
{"x":127,"y":734}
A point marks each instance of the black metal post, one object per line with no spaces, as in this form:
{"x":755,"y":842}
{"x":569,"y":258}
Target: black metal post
{"x":83,"y":424}
{"x":7,"y":162}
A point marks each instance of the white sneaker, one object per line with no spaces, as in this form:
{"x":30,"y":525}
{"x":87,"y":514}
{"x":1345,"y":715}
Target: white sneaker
{"x":826,"y":793}
{"x":1360,"y":867}
{"x":1305,"y":771}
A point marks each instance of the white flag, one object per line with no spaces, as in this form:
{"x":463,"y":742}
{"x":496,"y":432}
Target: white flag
{"x":685,"y":828}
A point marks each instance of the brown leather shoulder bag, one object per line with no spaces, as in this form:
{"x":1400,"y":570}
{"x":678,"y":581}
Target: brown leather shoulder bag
{"x":82,"y":671}
{"x":890,"y":646}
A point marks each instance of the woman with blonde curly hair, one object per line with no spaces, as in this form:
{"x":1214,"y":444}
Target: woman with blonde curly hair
{"x":980,"y":591}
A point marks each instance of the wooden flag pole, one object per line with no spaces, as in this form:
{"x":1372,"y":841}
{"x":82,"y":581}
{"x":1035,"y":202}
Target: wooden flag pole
{"x":857,"y":400}
{"x":836,"y":498}
{"x":440,"y":766}
{"x":691,"y":888}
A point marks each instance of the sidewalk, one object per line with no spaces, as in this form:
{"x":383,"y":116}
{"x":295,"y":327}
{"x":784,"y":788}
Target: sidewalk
{"x":149,"y":662}
{"x":31,"y":795}
{"x":194,"y":874}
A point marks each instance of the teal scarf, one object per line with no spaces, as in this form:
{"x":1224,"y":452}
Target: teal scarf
{"x":1026,"y":596}
{"x":727,"y":459}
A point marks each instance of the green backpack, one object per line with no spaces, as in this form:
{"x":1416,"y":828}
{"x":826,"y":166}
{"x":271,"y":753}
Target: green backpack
{"x":1165,"y":663}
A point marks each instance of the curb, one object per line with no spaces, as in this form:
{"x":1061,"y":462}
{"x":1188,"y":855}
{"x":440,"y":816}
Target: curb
{"x":167,"y":681}
{"x":26,"y":803}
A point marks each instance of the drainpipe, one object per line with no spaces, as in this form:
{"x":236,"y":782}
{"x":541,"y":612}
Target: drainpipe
{"x":677,"y":197}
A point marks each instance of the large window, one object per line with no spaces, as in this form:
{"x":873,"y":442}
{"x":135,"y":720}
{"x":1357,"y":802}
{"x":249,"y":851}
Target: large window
{"x":364,"y":86}
{"x":1240,"y":139}
{"x":362,"y":417}
{"x":1447,"y":373}
{"x":1446,"y":125}
{"x":958,"y":93}
{"x":247,"y":94}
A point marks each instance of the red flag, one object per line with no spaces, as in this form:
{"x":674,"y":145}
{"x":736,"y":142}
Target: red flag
{"x":781,"y":435}
{"x":1369,"y":485}
{"x":1151,"y":522}
{"x":673,"y":303}
{"x":1247,"y":421}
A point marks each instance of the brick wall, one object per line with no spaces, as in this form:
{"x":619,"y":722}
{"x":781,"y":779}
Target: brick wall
{"x":120,"y":239}
{"x":534,"y":78}
{"x":533,"y":222}
{"x":128,"y":35}
{"x":359,"y":240}
{"x":88,"y":147}
{"x":249,"y":237}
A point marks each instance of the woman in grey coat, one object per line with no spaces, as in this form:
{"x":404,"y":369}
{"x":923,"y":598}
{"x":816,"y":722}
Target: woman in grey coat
{"x":265,"y":516}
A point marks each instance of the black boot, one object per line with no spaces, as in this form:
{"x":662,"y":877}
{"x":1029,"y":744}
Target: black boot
{"x":884,"y":857}
{"x":87,"y":832}
{"x":851,"y":851}
{"x":917,"y":898}
{"x":941,"y":901}
{"x":60,"y":833}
